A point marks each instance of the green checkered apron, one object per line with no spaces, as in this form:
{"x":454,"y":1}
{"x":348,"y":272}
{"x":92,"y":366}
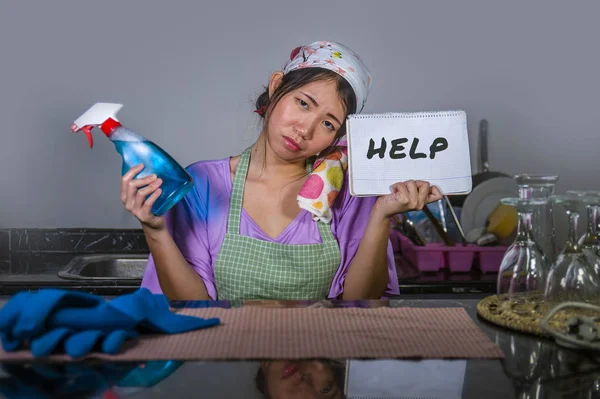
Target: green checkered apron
{"x":249,"y":268}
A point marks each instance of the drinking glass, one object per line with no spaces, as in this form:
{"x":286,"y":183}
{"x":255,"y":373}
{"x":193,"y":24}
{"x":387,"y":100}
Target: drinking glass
{"x":524,"y":267}
{"x":571,"y":277}
{"x":590,"y":241}
{"x":541,"y":187}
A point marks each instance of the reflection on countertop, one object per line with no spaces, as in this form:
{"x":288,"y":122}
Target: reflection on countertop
{"x":533,"y":367}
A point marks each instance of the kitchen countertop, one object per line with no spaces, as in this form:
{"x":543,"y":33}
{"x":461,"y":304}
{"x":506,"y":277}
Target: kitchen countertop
{"x":32,"y":271}
{"x":532,"y":367}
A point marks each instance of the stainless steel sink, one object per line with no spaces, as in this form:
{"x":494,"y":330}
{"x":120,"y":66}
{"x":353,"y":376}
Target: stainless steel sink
{"x":105,"y":267}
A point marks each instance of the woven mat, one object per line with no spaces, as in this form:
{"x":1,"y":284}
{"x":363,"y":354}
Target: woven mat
{"x":525,"y":313}
{"x":260,"y":333}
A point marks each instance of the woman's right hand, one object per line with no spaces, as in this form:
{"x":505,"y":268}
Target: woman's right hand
{"x":134,"y":193}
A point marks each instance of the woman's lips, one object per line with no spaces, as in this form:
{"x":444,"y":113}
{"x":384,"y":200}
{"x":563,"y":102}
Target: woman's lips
{"x":289,"y":370}
{"x":290,"y":144}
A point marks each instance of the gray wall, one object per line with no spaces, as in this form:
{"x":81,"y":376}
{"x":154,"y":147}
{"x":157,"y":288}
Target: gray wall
{"x":187,"y":73}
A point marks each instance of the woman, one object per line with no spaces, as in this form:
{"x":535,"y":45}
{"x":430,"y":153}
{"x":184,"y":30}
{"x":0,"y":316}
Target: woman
{"x":301,"y":379}
{"x":263,"y":224}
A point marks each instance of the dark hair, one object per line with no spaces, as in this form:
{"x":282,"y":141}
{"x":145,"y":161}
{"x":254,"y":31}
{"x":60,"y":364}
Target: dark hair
{"x":338,"y":369}
{"x":300,"y":77}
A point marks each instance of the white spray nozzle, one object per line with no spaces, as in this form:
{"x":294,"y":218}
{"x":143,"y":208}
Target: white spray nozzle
{"x":97,"y":115}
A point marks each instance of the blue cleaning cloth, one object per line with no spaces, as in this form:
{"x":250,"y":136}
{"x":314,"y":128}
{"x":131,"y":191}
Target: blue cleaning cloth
{"x":53,"y":320}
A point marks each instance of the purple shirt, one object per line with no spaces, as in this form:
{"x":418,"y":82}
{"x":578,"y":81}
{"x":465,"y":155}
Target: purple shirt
{"x":199,"y":221}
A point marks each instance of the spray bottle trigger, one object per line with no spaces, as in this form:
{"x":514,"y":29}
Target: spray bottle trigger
{"x":88,"y":133}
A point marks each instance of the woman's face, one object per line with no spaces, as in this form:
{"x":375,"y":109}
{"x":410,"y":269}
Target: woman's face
{"x":305,"y":121}
{"x":300,"y":379}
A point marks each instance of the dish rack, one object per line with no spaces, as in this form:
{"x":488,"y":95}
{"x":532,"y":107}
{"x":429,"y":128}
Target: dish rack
{"x":434,"y":257}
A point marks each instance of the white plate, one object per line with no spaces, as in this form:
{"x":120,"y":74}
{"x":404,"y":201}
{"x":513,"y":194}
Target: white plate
{"x":484,"y":198}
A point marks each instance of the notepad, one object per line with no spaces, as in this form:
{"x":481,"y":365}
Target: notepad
{"x":410,"y":379}
{"x":384,"y":149}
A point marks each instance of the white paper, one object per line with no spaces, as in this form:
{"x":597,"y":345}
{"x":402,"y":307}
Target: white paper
{"x":406,"y":379}
{"x":449,"y":169}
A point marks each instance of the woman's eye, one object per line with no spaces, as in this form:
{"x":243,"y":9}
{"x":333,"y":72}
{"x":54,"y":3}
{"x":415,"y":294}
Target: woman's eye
{"x":303,"y":103}
{"x":329,"y":125}
{"x":327,"y":389}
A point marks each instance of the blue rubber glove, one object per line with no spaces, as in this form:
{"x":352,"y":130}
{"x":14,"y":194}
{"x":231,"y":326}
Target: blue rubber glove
{"x":25,"y":314}
{"x":79,"y":343}
{"x":149,"y":374}
{"x":78,"y":323}
{"x":61,"y":380}
{"x":142,"y":309}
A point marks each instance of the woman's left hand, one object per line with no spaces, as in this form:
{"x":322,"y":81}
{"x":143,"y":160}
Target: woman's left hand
{"x":411,"y":195}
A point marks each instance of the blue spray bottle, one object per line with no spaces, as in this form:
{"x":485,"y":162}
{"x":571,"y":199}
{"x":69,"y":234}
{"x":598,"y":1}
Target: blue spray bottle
{"x":136,"y":149}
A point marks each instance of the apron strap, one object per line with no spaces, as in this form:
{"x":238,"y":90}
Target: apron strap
{"x":324,"y":228}
{"x":237,"y":193}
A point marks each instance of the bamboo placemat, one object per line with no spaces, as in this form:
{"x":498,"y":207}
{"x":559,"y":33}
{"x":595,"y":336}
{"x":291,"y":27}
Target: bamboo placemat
{"x":524,"y":313}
